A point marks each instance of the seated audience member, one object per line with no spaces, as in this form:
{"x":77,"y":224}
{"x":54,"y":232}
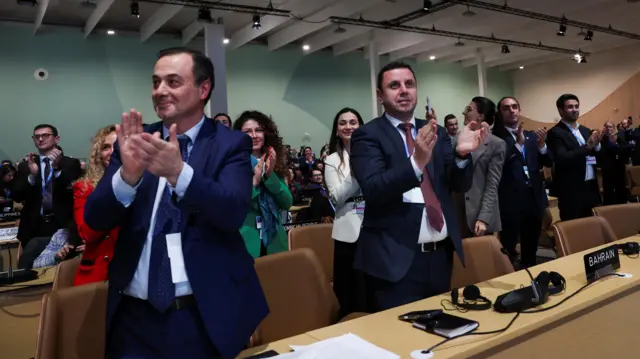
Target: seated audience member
{"x":306,"y":161}
{"x":224,"y":119}
{"x":43,"y":185}
{"x":6,"y":162}
{"x":99,"y":245}
{"x":57,"y":250}
{"x":262,"y":230}
{"x":348,"y":283}
{"x":320,"y":207}
{"x":7,"y":175}
{"x":294,"y":186}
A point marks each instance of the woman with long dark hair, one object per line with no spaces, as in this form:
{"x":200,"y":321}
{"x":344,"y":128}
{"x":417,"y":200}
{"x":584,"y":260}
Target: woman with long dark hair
{"x":7,"y":174}
{"x":345,"y":195}
{"x":262,"y":230}
{"x":481,"y":210}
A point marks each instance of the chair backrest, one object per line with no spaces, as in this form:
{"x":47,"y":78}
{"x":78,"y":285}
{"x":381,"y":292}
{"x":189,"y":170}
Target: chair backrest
{"x":633,"y":174}
{"x":581,"y":234}
{"x":623,"y":218}
{"x":72,"y":323}
{"x":65,"y":273}
{"x":318,"y":238}
{"x":299,"y":296}
{"x":484,"y":260}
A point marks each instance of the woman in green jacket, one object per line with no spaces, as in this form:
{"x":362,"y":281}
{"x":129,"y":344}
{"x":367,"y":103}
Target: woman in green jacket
{"x":262,"y":230}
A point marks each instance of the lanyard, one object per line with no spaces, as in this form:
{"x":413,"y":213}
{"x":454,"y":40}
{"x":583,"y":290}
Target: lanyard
{"x":47,"y":180}
{"x":413,"y":133}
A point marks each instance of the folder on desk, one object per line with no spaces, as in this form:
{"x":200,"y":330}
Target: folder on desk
{"x":447,"y":325}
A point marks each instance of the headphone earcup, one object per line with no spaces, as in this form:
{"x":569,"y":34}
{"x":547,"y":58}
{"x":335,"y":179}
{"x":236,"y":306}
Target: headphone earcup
{"x":471,"y":292}
{"x":454,"y":296}
{"x":557,"y":283}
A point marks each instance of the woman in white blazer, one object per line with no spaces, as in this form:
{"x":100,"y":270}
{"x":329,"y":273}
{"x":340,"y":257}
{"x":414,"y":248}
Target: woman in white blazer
{"x":345,"y":195}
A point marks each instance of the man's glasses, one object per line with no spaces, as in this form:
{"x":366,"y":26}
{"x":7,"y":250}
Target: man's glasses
{"x":44,"y":136}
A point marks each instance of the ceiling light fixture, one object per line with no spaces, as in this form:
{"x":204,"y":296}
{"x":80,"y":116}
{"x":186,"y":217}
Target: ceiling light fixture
{"x":582,"y":33}
{"x":111,"y":32}
{"x":204,"y":15}
{"x":432,"y":57}
{"x":256,"y":22}
{"x":562,"y":30}
{"x":135,"y":9}
{"x":589,"y":36}
{"x":306,"y":47}
{"x":340,"y":30}
{"x":225,"y":41}
{"x":505,"y":49}
{"x":427,"y":5}
{"x":521,"y":67}
{"x":459,"y":43}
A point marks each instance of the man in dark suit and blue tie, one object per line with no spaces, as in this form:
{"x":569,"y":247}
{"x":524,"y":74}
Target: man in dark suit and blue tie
{"x":521,"y":194}
{"x":181,"y":282}
{"x":406,"y":169}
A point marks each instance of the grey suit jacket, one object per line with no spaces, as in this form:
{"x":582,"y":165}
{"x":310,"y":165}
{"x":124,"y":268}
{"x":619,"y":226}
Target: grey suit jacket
{"x":481,"y":200}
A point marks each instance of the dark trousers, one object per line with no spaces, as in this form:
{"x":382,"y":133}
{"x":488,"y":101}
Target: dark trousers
{"x":139,"y":331}
{"x":43,"y":226}
{"x":428,"y":275}
{"x":348,"y":283}
{"x":614,"y":185}
{"x":581,"y":204}
{"x":525,"y":224}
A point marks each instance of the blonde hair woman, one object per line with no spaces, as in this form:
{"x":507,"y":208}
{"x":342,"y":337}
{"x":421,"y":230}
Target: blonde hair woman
{"x":99,"y":245}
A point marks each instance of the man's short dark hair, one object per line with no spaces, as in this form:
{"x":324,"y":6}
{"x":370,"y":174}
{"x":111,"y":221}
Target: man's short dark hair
{"x":44,"y":125}
{"x":564,"y":98}
{"x":202,"y":66}
{"x":392,"y":66}
{"x":449,"y":117}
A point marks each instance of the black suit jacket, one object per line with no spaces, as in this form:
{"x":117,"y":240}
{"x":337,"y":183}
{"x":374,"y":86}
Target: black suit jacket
{"x":389,"y":236}
{"x":570,"y":164}
{"x":514,"y":183}
{"x":31,"y":196}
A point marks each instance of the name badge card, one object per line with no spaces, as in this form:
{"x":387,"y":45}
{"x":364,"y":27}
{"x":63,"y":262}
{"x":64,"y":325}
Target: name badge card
{"x":601,"y":262}
{"x":591,"y":160}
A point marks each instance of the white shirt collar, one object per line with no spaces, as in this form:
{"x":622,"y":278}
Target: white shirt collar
{"x":569,"y":125}
{"x":395,"y":122}
{"x":192,"y":133}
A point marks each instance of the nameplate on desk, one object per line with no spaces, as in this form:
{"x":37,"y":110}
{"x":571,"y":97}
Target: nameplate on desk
{"x":9,"y":216}
{"x":290,"y":226}
{"x":601,"y":262}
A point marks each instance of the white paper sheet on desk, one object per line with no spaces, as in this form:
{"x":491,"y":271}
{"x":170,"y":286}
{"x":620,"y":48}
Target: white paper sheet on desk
{"x":345,"y":346}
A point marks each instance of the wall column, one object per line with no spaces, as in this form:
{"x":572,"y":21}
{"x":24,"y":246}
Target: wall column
{"x":482,"y":72}
{"x":374,"y":66}
{"x":215,"y":49}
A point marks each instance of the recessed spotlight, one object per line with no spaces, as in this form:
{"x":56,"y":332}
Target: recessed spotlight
{"x":521,"y":67}
{"x":111,"y":32}
{"x":135,"y":9}
{"x":225,"y":41}
{"x":432,"y":57}
{"x":306,"y":47}
{"x":256,"y":22}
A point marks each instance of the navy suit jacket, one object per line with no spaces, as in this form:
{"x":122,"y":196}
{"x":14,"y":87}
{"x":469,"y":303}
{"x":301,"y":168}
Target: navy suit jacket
{"x":514,"y":182}
{"x":389,"y":236}
{"x":220,"y":270}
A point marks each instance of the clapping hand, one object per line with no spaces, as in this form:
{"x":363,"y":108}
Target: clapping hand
{"x":270,"y":161}
{"x":594,"y":139}
{"x":161,"y":158}
{"x":431,"y":115}
{"x":520,"y":134}
{"x":471,"y":136}
{"x":257,"y":172}
{"x":541,"y":133}
{"x":56,"y":157}
{"x":424,"y":143}
{"x":131,"y":127}
{"x":33,"y":165}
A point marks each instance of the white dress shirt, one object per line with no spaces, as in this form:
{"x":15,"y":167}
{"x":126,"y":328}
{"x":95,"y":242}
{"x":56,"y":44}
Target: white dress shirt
{"x":590,"y":173}
{"x":342,"y":186}
{"x":126,"y":194}
{"x":427,"y":233}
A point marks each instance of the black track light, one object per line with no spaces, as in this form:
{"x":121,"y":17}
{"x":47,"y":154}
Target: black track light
{"x":427,"y":5}
{"x":562,"y":30}
{"x":583,"y":60}
{"x":505,"y":49}
{"x":589,"y":36}
{"x":256,"y":22}
{"x":135,"y":9}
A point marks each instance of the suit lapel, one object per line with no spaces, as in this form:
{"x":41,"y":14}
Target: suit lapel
{"x":394,"y":136}
{"x":203,"y":145}
{"x":572,"y":138}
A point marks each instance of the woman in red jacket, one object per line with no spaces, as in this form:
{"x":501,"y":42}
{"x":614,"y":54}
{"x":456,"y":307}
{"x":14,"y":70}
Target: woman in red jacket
{"x":99,"y":245}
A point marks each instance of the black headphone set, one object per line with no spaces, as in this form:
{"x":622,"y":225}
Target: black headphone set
{"x":472,"y":299}
{"x":544,"y":285}
{"x":629,"y":248}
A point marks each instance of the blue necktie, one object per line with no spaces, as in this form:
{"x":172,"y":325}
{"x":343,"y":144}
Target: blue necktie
{"x":161,"y":288}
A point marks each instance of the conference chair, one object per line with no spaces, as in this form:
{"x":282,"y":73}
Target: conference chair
{"x":484,"y":260}
{"x":72,"y":323}
{"x":299,"y":296}
{"x":318,"y":238}
{"x":633,"y":173}
{"x":581,"y":234}
{"x":65,"y":273}
{"x":624,"y":219}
